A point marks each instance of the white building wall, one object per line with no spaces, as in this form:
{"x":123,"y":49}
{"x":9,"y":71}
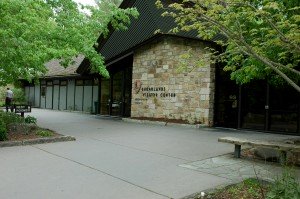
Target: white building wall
{"x":49,"y":99}
{"x":88,"y":99}
{"x":95,"y":98}
{"x":55,"y":97}
{"x":70,"y":94}
{"x":37,"y":93}
{"x":27,"y":93}
{"x":63,"y":98}
{"x":78,"y":98}
{"x":31,"y":95}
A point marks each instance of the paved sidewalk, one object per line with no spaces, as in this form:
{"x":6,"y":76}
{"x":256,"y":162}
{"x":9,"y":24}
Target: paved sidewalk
{"x":113,"y":159}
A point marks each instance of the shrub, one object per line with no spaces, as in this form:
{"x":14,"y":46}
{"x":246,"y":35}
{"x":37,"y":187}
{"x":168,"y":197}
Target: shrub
{"x":3,"y":131}
{"x":19,"y":96}
{"x":10,"y":118}
{"x":285,"y":187}
{"x":30,"y":120}
{"x":44,"y":133}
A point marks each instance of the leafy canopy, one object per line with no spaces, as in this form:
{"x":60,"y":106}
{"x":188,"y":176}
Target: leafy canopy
{"x":33,"y":32}
{"x":261,"y":37}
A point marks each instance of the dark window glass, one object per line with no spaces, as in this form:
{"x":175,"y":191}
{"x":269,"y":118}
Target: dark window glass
{"x":79,"y":82}
{"x":63,"y":82}
{"x":43,"y":91}
{"x":88,"y":82}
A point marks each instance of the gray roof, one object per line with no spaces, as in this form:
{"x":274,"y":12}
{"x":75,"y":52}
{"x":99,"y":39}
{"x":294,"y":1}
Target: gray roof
{"x":56,"y":69}
{"x":141,"y":30}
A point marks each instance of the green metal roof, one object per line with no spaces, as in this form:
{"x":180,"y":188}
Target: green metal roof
{"x":141,"y":30}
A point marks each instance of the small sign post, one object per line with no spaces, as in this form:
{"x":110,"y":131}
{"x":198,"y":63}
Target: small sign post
{"x":22,"y":108}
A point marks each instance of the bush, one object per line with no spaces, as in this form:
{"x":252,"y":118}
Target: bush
{"x":30,"y":120}
{"x":19,"y":96}
{"x":285,"y":187}
{"x":10,"y":118}
{"x":44,"y":133}
{"x":3,"y":131}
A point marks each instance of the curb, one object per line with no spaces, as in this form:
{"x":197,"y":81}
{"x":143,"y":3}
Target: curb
{"x":195,"y":126}
{"x":37,"y":141}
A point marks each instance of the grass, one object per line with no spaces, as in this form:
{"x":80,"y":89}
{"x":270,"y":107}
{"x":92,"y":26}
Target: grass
{"x":44,"y":133}
{"x":247,"y":189}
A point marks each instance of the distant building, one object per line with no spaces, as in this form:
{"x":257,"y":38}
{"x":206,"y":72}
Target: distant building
{"x":64,"y":89}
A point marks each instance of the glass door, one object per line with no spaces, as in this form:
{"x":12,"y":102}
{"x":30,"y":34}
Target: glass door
{"x":116,"y":95}
{"x":105,"y":97}
{"x":127,"y":92}
{"x":284,"y":109}
{"x":254,"y":106}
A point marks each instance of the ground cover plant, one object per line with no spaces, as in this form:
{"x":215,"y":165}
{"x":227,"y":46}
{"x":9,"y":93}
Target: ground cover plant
{"x":285,"y":186}
{"x":15,"y":128}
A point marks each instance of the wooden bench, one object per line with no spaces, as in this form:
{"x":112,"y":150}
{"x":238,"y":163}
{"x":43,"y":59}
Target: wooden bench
{"x":282,"y":147}
{"x":22,"y":108}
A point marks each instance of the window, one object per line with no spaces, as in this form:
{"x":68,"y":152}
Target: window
{"x":56,"y":82}
{"x":49,"y":83}
{"x":88,"y":82}
{"x":63,"y":82}
{"x":79,"y":83}
{"x":43,"y":91}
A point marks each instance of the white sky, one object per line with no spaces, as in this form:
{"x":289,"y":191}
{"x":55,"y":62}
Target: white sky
{"x":86,"y":2}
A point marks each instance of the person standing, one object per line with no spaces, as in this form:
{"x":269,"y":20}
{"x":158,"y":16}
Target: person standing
{"x":9,"y":99}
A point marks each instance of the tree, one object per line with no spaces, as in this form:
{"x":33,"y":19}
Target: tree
{"x":33,"y":32}
{"x":261,"y":37}
{"x":107,"y":2}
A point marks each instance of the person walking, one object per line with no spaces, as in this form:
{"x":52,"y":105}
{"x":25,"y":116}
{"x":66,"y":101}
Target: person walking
{"x":9,"y":99}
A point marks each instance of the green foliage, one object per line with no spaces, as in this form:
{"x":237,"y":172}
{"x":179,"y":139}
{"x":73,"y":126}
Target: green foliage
{"x":249,"y":187}
{"x":3,"y":131}
{"x":44,"y":133}
{"x":19,"y":95}
{"x":30,"y":119}
{"x":261,"y":38}
{"x":285,"y":187}
{"x":33,"y":32}
{"x":10,"y":118}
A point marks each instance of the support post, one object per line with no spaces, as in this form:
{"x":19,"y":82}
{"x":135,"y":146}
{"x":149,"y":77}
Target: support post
{"x":237,"y":151}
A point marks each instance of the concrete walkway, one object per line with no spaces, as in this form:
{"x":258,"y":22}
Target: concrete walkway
{"x":113,"y":159}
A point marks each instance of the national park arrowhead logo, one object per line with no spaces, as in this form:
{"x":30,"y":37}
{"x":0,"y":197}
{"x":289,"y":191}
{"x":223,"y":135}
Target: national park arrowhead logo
{"x":137,"y":86}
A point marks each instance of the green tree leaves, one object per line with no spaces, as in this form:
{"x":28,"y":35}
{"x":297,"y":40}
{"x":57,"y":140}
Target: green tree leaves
{"x":263,"y":36}
{"x":33,"y":32}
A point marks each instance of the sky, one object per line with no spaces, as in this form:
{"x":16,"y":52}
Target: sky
{"x":86,"y":2}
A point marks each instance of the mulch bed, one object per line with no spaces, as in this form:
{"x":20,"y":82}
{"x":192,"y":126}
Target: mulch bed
{"x":30,"y":135}
{"x":27,"y":132}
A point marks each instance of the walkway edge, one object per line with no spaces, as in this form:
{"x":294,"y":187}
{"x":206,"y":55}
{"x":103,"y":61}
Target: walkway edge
{"x":195,"y":126}
{"x":64,"y":138}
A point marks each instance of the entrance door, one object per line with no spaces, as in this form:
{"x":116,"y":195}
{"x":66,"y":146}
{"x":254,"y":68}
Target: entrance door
{"x":105,"y":97}
{"x":284,"y":109}
{"x":115,"y":97}
{"x":254,"y":106}
{"x":117,"y":94}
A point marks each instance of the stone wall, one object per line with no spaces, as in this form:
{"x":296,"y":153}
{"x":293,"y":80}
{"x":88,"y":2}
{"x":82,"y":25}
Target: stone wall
{"x":159,"y":90}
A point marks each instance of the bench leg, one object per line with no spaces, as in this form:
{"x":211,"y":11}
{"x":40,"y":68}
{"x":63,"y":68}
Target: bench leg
{"x":237,"y":151}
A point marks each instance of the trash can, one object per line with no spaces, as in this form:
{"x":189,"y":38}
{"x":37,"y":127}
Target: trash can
{"x":96,"y":105}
